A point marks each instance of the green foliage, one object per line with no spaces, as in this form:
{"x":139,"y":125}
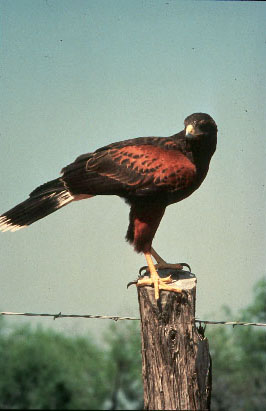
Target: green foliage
{"x":239,"y":359}
{"x":124,"y":367}
{"x":42,"y":369}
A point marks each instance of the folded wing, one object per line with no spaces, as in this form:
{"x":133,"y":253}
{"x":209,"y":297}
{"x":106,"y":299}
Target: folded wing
{"x":130,"y":170}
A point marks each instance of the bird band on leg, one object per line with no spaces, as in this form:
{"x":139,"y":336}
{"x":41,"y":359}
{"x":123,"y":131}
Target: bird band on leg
{"x":176,"y":364}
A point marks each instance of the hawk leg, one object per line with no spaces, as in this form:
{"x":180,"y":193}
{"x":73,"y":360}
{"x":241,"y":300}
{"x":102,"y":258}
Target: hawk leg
{"x":162,"y":264}
{"x":157,"y":282}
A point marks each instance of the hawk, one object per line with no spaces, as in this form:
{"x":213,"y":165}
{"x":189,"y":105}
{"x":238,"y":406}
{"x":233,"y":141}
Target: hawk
{"x":149,"y":173}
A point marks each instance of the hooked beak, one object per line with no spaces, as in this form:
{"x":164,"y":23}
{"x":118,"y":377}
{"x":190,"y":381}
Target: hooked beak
{"x":193,"y":132}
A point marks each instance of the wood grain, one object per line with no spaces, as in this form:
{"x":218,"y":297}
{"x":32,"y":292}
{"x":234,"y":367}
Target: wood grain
{"x":176,"y":363}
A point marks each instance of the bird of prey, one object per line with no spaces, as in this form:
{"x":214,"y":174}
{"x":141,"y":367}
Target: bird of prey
{"x":149,"y":173}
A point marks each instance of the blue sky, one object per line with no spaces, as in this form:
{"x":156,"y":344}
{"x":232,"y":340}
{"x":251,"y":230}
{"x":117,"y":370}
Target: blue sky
{"x":76,"y":75}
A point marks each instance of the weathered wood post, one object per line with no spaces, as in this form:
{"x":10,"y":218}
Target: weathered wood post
{"x":176,"y":364}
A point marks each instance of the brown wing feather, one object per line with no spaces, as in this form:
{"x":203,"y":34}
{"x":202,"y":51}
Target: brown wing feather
{"x":130,"y":170}
{"x":141,"y":166}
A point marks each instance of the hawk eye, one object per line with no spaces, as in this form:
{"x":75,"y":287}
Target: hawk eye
{"x":203,"y":125}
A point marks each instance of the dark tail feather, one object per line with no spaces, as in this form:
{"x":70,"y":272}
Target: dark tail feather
{"x":43,"y":201}
{"x":53,"y":186}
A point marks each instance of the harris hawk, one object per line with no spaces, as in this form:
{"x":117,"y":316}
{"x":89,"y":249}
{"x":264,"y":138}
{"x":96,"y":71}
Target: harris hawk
{"x":150,"y":173}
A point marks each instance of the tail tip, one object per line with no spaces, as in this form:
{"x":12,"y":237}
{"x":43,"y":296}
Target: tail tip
{"x":7,"y":225}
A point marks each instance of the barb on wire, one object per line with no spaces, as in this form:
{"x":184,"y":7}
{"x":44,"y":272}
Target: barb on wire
{"x":118,"y":318}
{"x":60,"y":315}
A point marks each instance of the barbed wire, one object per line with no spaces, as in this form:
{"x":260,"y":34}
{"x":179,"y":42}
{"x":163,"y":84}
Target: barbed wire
{"x":118,"y":318}
{"x":60,"y":315}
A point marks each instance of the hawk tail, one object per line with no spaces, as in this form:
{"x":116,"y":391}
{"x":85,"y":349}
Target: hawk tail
{"x":43,"y":201}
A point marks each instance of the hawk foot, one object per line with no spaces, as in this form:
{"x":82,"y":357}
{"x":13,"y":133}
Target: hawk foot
{"x":163,"y":265}
{"x":159,"y":284}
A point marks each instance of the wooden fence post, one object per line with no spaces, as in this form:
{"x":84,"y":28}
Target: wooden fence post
{"x":176,"y":364}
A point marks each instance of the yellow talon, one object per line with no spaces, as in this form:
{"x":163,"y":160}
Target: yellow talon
{"x":157,"y":282}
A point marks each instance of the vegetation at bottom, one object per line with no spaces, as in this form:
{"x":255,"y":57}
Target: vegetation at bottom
{"x":239,"y":358}
{"x":44,"y":369}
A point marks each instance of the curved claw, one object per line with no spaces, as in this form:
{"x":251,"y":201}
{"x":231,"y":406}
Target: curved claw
{"x":132,"y":282}
{"x":186,"y":265}
{"x":145,"y":267}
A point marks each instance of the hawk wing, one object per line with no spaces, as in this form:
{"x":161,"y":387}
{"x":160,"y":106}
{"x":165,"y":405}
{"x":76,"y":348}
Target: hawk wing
{"x":151,"y":166}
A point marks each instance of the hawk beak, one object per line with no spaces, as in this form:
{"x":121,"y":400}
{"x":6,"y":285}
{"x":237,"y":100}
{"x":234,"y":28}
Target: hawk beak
{"x":193,"y":132}
{"x":190,"y":130}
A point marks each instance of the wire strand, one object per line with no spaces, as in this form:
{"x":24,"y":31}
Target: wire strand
{"x":118,"y":318}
